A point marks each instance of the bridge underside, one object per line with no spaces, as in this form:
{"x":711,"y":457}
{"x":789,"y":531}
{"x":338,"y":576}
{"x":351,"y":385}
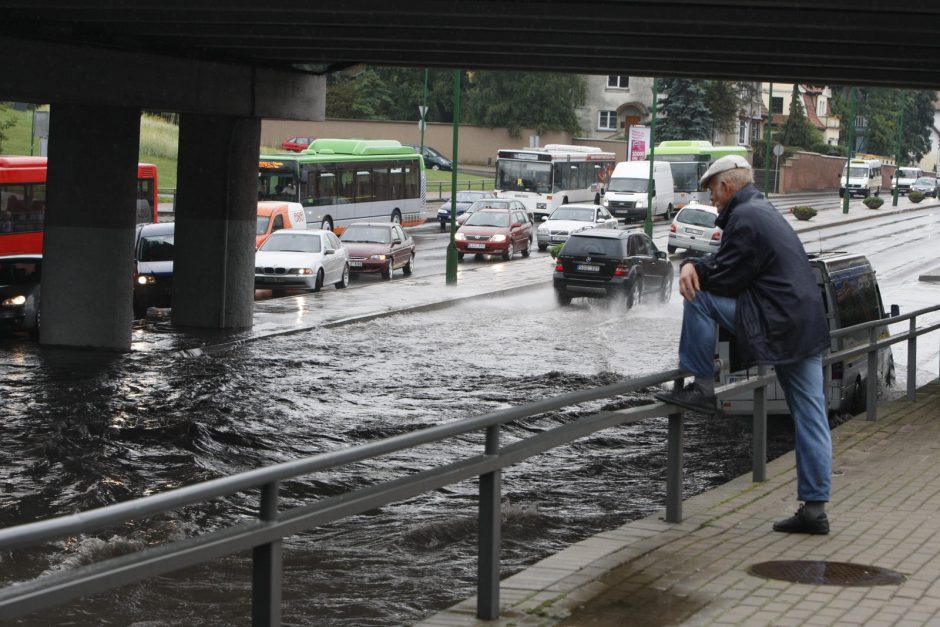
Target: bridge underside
{"x":224,"y":67}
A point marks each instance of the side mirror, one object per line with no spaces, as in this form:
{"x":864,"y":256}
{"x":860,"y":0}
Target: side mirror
{"x":601,"y":220}
{"x":396,"y":242}
{"x":515,"y":225}
{"x":895,"y":311}
{"x":661,"y":254}
{"x":544,"y":218}
{"x":328,"y":251}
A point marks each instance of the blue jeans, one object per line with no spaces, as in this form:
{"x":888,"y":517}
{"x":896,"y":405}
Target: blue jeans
{"x":802,"y":383}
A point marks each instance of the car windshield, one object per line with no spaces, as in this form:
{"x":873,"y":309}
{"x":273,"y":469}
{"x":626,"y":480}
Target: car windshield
{"x":858,"y":172}
{"x":470,"y":196}
{"x":593,"y":246}
{"x":577,"y":214}
{"x":488,"y":218}
{"x":697,"y":217}
{"x":19,"y":272}
{"x":524,"y":176}
{"x":925,"y":181}
{"x":628,"y":185}
{"x":262,"y":227}
{"x":366,"y":235}
{"x":488,"y":203}
{"x":292,"y":243}
{"x":156,"y":248}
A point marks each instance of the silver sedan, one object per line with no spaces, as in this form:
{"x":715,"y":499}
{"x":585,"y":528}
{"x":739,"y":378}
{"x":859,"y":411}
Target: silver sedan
{"x":572,"y":218}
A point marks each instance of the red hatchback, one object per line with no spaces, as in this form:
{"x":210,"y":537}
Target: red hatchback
{"x":495,"y":232}
{"x":379,"y":247}
{"x":297,"y":144}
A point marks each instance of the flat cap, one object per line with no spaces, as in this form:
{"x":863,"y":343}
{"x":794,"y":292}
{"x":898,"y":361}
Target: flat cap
{"x":724,"y":164}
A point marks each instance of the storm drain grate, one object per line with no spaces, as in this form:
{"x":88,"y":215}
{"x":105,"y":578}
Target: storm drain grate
{"x":827,"y":573}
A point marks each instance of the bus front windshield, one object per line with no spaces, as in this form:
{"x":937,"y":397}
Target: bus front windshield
{"x":685,"y":176}
{"x":628,"y":185}
{"x":277,"y":186}
{"x":524,"y":176}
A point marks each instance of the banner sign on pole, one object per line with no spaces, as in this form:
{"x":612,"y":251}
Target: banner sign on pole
{"x":639,"y":142}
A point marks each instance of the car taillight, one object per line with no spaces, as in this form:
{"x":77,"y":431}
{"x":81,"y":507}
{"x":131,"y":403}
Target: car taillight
{"x":559,"y":267}
{"x":672,"y":227}
{"x":837,"y":371}
{"x":621,"y":270}
{"x":716,"y":236}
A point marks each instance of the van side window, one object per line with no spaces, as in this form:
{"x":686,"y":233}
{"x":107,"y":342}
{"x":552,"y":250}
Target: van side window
{"x":856,"y":299}
{"x":278,"y":223}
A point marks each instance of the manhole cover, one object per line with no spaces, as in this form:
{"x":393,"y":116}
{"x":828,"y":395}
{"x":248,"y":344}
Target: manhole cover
{"x":827,"y":573}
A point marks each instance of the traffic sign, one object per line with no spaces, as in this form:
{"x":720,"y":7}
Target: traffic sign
{"x":778,"y":149}
{"x":422,"y":111}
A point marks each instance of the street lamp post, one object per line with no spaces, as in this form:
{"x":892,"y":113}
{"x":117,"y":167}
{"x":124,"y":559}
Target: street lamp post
{"x":849,"y":149}
{"x":897,"y":160}
{"x":648,"y":224}
{"x":768,"y":139}
{"x":451,"y":276}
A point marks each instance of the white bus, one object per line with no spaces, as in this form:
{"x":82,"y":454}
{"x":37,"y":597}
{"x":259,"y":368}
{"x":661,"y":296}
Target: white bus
{"x":545,"y":178}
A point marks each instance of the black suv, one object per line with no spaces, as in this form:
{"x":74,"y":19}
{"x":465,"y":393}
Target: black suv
{"x":607,"y":263}
{"x":433,"y":160}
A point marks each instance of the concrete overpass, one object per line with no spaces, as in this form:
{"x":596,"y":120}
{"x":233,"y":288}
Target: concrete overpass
{"x":224,"y":67}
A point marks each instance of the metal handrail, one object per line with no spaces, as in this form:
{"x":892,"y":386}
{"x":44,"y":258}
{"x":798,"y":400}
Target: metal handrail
{"x":265,"y":534}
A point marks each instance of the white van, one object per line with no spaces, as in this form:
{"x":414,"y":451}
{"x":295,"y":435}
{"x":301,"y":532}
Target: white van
{"x":851,"y":296}
{"x":626,"y":193}
{"x":864,"y":178}
{"x":905,"y":177}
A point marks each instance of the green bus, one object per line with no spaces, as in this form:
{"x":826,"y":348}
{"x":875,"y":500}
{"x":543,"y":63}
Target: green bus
{"x":688,"y":160}
{"x":342,"y":181}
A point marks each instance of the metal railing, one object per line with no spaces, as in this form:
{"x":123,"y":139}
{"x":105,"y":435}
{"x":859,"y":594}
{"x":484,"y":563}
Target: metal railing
{"x":265,"y":534}
{"x":442,"y":189}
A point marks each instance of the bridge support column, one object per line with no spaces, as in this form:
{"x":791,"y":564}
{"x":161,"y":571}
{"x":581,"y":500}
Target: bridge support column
{"x":216,"y":213}
{"x":87,"y":277}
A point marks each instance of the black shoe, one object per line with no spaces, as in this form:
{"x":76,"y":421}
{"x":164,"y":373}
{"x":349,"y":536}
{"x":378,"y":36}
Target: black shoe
{"x":691,"y":397}
{"x":801,"y":522}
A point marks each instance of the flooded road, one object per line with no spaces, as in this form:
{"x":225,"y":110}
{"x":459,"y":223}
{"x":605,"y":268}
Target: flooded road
{"x":83,"y":431}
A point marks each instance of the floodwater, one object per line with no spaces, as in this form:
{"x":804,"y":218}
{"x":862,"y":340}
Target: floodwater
{"x":83,"y":435}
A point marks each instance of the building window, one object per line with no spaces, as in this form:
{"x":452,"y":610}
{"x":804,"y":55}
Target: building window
{"x":618,"y":81}
{"x":776,"y":104}
{"x":742,"y":132}
{"x":821,"y":107}
{"x":861,"y":121}
{"x":607,"y":120}
{"x":755,"y":132}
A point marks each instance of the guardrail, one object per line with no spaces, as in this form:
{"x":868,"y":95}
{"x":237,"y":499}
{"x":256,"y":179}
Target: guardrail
{"x":265,"y":534}
{"x":440,"y":188}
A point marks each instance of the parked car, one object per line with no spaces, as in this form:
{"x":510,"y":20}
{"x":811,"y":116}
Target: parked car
{"x":494,"y":231}
{"x":20,"y":293}
{"x":926,"y":185}
{"x":572,"y":218}
{"x":495,"y":203}
{"x":433,"y":159}
{"x":380,"y":247}
{"x":694,"y":229}
{"x":612,"y":263}
{"x":297,"y":144}
{"x":153,"y":266}
{"x":294,"y":259}
{"x":464,"y":200}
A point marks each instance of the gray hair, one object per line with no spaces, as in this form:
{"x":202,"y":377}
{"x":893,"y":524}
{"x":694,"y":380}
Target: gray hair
{"x":736,"y":177}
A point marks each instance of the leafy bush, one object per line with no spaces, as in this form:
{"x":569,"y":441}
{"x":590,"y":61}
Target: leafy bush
{"x":873,"y":202}
{"x":803,"y":212}
{"x":554,"y":249}
{"x":915,"y":196}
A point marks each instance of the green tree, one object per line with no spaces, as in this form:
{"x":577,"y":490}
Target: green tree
{"x":685,"y":112}
{"x":357,"y":93}
{"x":879,"y":107}
{"x":406,"y":92}
{"x":798,"y":130}
{"x":517,"y":100}
{"x":5,"y":124}
{"x":726,"y":100}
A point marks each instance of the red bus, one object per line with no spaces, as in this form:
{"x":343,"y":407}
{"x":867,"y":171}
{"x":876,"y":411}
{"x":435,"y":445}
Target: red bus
{"x":23,"y":202}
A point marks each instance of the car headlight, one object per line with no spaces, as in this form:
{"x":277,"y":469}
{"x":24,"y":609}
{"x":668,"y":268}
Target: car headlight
{"x":604,"y":201}
{"x":304,"y":270}
{"x":378,"y":257}
{"x":543,"y":231}
{"x":499,"y":237}
{"x":146,"y":279}
{"x":641,"y":204}
{"x":459,"y":236}
{"x":14,"y":301}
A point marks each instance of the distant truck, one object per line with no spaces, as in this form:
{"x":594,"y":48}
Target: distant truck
{"x":864,"y":178}
{"x":274,"y":215}
{"x":905,"y":177}
{"x":626,"y":195}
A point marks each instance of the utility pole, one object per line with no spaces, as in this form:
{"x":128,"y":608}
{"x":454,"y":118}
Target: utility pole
{"x":648,"y":224}
{"x":424,"y":110}
{"x":451,"y":275}
{"x":897,"y":159}
{"x":849,"y":149}
{"x":768,"y":139}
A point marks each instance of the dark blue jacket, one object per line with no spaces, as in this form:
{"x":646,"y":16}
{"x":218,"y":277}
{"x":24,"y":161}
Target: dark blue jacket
{"x":780,"y":317}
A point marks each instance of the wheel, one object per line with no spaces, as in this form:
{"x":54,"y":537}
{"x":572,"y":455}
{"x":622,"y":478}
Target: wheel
{"x":666,"y":294}
{"x":542,"y":246}
{"x":396,"y":217}
{"x":389,"y":271}
{"x":525,"y":251}
{"x":668,"y":216}
{"x":867,"y":192}
{"x":878,"y":192}
{"x":563,"y":299}
{"x":344,"y":280}
{"x":410,"y":266}
{"x":460,"y":256}
{"x":671,"y":249}
{"x":509,"y":251}
{"x":443,"y":226}
{"x":478,"y":256}
{"x":34,"y":332}
{"x":435,"y":167}
{"x":633,"y":296}
{"x":597,"y":199}
{"x":319,"y":281}
{"x":327,"y":224}
{"x":890,"y":376}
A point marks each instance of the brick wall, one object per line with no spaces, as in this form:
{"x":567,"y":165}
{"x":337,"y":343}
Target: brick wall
{"x":808,"y":171}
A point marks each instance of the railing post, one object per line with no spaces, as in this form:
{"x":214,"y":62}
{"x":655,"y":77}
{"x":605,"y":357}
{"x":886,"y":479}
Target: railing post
{"x":490,"y":535}
{"x":759,"y":461}
{"x":674,"y":447}
{"x":912,"y":362}
{"x":266,"y":568}
{"x":871,"y":386}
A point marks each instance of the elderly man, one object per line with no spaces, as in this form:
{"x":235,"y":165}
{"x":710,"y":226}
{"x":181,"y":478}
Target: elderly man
{"x":760,"y":286}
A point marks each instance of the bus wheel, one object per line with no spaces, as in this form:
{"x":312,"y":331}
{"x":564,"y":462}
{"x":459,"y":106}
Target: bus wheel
{"x":668,"y":216}
{"x":327,"y":224}
{"x":878,"y":192}
{"x":565,"y":201}
{"x":396,"y":217}
{"x":597,"y":199}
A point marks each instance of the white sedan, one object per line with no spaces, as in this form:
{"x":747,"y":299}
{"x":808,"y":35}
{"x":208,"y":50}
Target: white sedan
{"x":292,"y":259}
{"x":568,"y":219}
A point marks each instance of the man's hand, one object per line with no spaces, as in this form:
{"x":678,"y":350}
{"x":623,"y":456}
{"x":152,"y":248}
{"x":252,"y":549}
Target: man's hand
{"x":688,"y":282}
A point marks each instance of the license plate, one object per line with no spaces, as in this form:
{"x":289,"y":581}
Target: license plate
{"x":355,"y":264}
{"x":476,"y":245}
{"x":693,"y":231}
{"x":588,"y":267}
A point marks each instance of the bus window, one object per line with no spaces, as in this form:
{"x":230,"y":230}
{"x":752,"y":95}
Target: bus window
{"x":380,"y":183}
{"x":363,"y":186}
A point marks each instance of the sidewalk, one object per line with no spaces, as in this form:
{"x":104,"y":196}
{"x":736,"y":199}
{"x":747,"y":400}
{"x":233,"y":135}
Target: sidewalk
{"x":885,"y":513}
